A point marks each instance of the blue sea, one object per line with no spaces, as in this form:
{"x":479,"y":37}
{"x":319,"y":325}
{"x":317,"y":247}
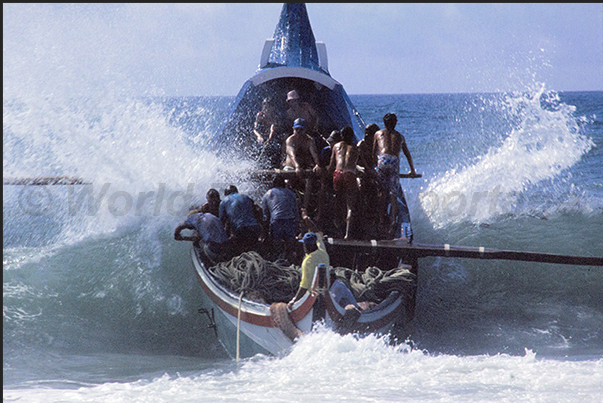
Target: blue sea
{"x":100,"y":303}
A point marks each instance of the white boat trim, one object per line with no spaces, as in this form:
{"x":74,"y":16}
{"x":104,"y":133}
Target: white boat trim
{"x":300,"y":72}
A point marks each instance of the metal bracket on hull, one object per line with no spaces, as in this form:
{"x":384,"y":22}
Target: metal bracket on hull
{"x":211,"y":317}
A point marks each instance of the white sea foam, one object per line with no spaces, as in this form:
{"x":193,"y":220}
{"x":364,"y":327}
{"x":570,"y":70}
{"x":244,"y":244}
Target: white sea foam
{"x":325,"y":366}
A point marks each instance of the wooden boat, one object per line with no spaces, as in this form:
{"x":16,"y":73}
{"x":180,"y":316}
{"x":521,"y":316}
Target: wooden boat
{"x":246,"y":326}
{"x":294,"y":60}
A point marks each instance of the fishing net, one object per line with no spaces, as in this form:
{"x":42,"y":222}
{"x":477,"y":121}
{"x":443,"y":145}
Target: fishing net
{"x":374,"y":284}
{"x":262,"y":280}
{"x":266,"y":281}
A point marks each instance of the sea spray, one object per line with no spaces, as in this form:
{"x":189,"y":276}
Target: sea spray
{"x":95,"y":267}
{"x":545,"y":141}
{"x":105,"y":273}
{"x":326,"y":366}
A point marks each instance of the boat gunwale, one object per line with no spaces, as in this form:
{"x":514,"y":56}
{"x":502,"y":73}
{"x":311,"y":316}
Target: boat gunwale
{"x":228,"y":302}
{"x":364,"y":323}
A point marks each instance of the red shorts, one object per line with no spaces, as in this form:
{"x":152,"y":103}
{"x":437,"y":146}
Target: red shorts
{"x":344,"y":181}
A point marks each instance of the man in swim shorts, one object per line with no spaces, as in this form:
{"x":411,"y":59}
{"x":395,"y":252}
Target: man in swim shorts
{"x":345,"y":183}
{"x":302,"y":155}
{"x":387,"y":145}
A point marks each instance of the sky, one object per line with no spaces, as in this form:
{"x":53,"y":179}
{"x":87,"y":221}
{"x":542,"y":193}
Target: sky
{"x":212,"y":49}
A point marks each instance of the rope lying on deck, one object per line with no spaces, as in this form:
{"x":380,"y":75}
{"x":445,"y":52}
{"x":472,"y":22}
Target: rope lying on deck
{"x":374,"y":284}
{"x":263,"y":280}
{"x":268,"y":282}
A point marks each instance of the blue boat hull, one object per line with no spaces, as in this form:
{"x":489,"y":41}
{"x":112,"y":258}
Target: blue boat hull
{"x":291,"y":60}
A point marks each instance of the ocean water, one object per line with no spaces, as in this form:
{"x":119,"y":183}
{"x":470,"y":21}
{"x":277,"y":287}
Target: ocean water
{"x":100,"y":304}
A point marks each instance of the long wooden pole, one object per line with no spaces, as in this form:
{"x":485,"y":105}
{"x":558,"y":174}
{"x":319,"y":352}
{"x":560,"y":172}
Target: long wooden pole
{"x":267,"y":173}
{"x":45,"y":180}
{"x":417,"y":249}
{"x":72,"y":180}
{"x":424,"y":250}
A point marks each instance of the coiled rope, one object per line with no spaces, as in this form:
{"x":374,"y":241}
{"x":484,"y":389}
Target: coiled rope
{"x":268,"y":282}
{"x":262,"y":280}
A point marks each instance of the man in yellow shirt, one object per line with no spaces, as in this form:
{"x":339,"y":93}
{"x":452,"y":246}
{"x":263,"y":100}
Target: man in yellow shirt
{"x":316,"y":253}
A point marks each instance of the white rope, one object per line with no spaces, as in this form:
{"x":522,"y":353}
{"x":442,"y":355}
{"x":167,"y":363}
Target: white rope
{"x":239,"y":326}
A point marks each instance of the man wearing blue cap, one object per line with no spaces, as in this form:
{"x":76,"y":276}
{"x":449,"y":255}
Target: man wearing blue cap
{"x":316,"y":253}
{"x":302,"y":155}
{"x":301,"y":149}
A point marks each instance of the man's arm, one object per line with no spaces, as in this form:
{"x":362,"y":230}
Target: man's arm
{"x":195,"y":237}
{"x":300,"y":293}
{"x":352,"y":157}
{"x":272,"y":132}
{"x":311,"y":225}
{"x":375,"y":147}
{"x":291,"y":153}
{"x":256,"y":126}
{"x":406,"y":152}
{"x":222,"y":212}
{"x":333,"y":161}
{"x":314,"y":152}
{"x":362,"y":154}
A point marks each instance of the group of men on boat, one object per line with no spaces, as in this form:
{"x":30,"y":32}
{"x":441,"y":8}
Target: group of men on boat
{"x":351,"y":191}
{"x":240,"y":216}
{"x":347,"y":180}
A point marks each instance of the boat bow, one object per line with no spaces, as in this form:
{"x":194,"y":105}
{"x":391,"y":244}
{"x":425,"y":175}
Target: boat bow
{"x":291,"y":59}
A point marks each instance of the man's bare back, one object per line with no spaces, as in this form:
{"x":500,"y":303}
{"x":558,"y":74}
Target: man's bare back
{"x":346,"y":157}
{"x":301,"y":151}
{"x":388,"y":141}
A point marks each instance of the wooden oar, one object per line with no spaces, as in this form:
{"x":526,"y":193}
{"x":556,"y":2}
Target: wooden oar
{"x":45,"y":180}
{"x":267,"y":173}
{"x":424,"y":250}
{"x":72,"y":180}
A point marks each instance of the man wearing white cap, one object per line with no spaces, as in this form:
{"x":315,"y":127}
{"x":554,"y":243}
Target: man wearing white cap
{"x":298,"y":109}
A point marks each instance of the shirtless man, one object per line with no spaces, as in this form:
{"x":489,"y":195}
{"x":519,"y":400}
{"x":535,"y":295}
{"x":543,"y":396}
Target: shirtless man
{"x":386,"y":152}
{"x":343,"y":165}
{"x":270,"y":135}
{"x":265,"y":122}
{"x":301,"y":155}
{"x":368,"y":215}
{"x":365,"y":147}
